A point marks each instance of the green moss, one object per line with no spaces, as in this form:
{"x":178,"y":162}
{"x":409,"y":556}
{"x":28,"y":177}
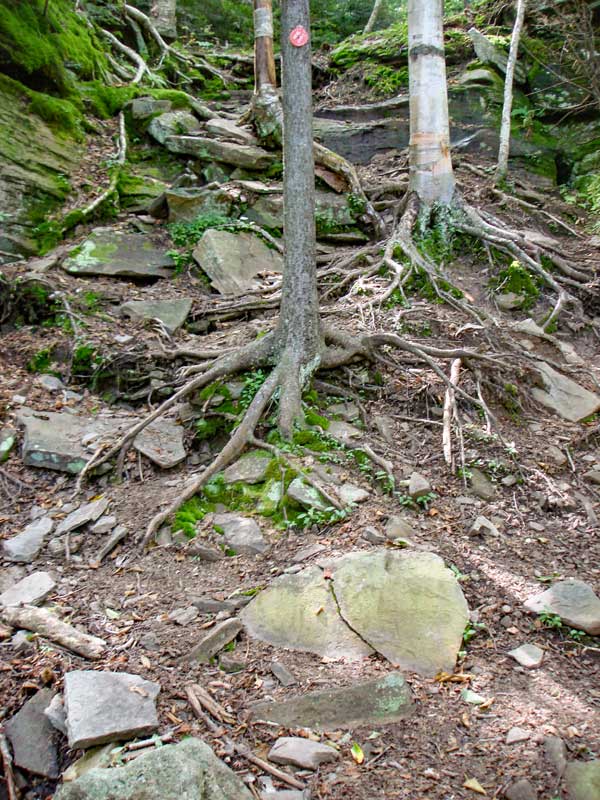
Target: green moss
{"x":178,"y":99}
{"x":106,"y":101}
{"x":380,"y":46}
{"x":59,"y":113}
{"x":385,"y":81}
{"x":517,"y":279}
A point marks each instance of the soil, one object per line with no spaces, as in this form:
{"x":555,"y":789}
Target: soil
{"x":128,"y":598}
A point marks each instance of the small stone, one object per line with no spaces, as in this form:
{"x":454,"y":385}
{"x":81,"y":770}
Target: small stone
{"x":32,"y":590}
{"x":346,"y":411}
{"x":555,"y":754}
{"x":56,"y":547}
{"x":215,"y":640}
{"x":483,"y":526}
{"x":418,"y":486}
{"x":241,"y":534}
{"x":22,"y":642}
{"x":50,"y":382}
{"x":520,"y":790}
{"x":537,"y":526}
{"x":516,"y":735}
{"x":385,"y":428}
{"x":575,"y":603}
{"x":282,"y":673}
{"x":373,"y":536}
{"x":183,"y":616}
{"x":103,"y":525}
{"x":509,"y":301}
{"x":108,"y":706}
{"x":481,"y":486}
{"x":25,"y":546}
{"x":556,"y":455}
{"x":251,"y":468}
{"x":582,"y":779}
{"x":171,"y":313}
{"x":307,"y":552}
{"x":202,"y":552}
{"x":230,"y":663}
{"x":398,"y":528}
{"x":8,"y":437}
{"x":593,"y":476}
{"x":344,"y":432}
{"x":350,"y":494}
{"x":509,"y":480}
{"x":302,"y":753}
{"x":528,"y":655}
{"x":33,"y":739}
{"x":84,"y":514}
{"x":305,"y":495}
{"x":285,"y":794}
{"x":56,"y":714}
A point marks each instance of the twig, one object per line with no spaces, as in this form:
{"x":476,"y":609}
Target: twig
{"x":449,"y":411}
{"x":7,"y":762}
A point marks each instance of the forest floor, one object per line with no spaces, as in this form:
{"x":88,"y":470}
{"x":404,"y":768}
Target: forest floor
{"x":546,"y":530}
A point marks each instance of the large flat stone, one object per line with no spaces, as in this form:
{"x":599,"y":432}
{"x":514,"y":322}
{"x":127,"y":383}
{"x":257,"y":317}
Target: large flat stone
{"x":65,"y":442}
{"x":32,"y":737}
{"x":185,"y":771}
{"x":233,"y":261}
{"x":172,"y":313}
{"x":377,"y":702}
{"x":25,"y":546}
{"x":299,"y":612}
{"x":563,"y":396}
{"x":172,"y":123}
{"x":115,"y":253}
{"x":575,"y":603}
{"x":306,"y":495}
{"x":89,"y":512}
{"x":582,"y":779}
{"x":108,"y":706}
{"x":205,"y":149}
{"x":32,"y":590}
{"x":226,"y":129}
{"x":250,"y":468}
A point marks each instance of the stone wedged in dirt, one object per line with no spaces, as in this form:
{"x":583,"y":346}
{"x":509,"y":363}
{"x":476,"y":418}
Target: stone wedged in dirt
{"x":575,"y":603}
{"x":488,"y":53}
{"x":32,"y":590}
{"x":115,"y":253}
{"x":582,"y":780}
{"x":89,"y":512}
{"x":242,"y":534}
{"x":172,"y":123}
{"x":239,"y":155}
{"x":215,"y":640}
{"x":33,"y":739}
{"x":172,"y":313}
{"x":250,"y":468}
{"x":285,"y":615}
{"x":528,"y":655}
{"x":267,"y":210}
{"x":232,"y":261}
{"x":227,"y":129}
{"x":146,"y":107}
{"x":481,"y":485}
{"x":306,"y":495}
{"x":25,"y":546}
{"x":563,"y":396}
{"x":185,"y":771}
{"x":407,"y":605}
{"x":302,"y":753}
{"x":65,"y":442}
{"x":108,"y":706}
{"x":377,"y":702}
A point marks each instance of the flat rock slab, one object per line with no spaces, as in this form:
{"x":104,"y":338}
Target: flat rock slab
{"x":528,"y":655}
{"x":376,"y":702}
{"x":563,"y":396}
{"x":302,"y":753}
{"x":241,"y":534}
{"x":172,"y":313}
{"x":32,"y":590}
{"x":406,"y":605}
{"x":575,"y":603}
{"x":240,"y":155}
{"x":172,"y":123}
{"x":25,"y":546}
{"x":108,"y":706}
{"x":227,"y":129}
{"x":582,"y":780}
{"x":32,"y":737}
{"x":250,"y":468}
{"x":114,"y":253}
{"x":215,"y":640}
{"x":185,"y":771}
{"x":306,"y":495}
{"x":65,"y":442}
{"x":89,"y":512}
{"x":233,"y":261}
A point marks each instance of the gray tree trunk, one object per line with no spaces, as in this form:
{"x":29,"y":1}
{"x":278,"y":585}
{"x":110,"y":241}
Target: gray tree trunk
{"x":503,"y":152}
{"x":164,"y":15}
{"x":266,"y":105}
{"x":299,"y":327}
{"x":431,"y":174}
{"x":374,"y":16}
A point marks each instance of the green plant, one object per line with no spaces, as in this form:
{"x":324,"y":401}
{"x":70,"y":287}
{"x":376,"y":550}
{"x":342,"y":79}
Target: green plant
{"x":471,"y":631}
{"x":518,"y":280}
{"x":41,"y":362}
{"x":314,"y":516}
{"x":550,"y":620}
{"x":252,"y":383}
{"x":425,"y":499}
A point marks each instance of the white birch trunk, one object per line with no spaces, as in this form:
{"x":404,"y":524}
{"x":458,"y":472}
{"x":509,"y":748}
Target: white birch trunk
{"x":431,"y":175}
{"x":164,"y":15}
{"x":374,"y":16}
{"x":504,"y":149}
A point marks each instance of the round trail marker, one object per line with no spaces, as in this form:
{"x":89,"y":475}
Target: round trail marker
{"x":299,"y":36}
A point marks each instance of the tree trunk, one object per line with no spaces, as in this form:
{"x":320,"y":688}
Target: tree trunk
{"x":164,"y":16}
{"x":503,"y":152}
{"x":374,"y":16}
{"x":266,"y":106}
{"x":431,"y":175}
{"x":299,"y":326}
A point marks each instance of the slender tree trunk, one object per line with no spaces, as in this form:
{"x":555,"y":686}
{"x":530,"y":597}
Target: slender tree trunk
{"x":431,"y":175}
{"x":164,"y":16}
{"x":266,"y":106}
{"x":503,"y":152}
{"x":374,"y":16}
{"x":299,"y":314}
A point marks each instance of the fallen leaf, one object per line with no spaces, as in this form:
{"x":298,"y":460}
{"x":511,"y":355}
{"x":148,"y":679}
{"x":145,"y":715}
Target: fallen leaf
{"x":474,"y":785}
{"x":453,"y":677}
{"x":357,"y":753}
{"x":145,"y":662}
{"x":488,"y":704}
{"x":139,"y":690}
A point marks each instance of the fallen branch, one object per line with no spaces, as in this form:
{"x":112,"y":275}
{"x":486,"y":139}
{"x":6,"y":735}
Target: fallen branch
{"x":450,"y":411}
{"x":7,"y":764}
{"x":42,"y":622}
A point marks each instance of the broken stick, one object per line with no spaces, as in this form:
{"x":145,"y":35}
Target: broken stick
{"x":42,"y":622}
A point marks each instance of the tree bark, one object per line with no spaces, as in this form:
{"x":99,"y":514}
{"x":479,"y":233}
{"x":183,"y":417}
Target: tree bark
{"x":164,"y":16}
{"x":299,"y":327}
{"x":503,"y":152}
{"x":431,"y":174}
{"x":374,"y":16}
{"x":266,"y":106}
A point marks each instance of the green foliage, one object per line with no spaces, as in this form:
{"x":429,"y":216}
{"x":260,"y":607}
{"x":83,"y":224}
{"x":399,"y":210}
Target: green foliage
{"x":188,"y":234}
{"x":41,"y":362}
{"x":106,"y":101}
{"x":516,"y":278}
{"x":550,"y":620}
{"x":386,"y":81}
{"x":314,"y":516}
{"x":252,"y":383}
{"x":189,"y":514}
{"x":61,"y":114}
{"x":379,"y":46}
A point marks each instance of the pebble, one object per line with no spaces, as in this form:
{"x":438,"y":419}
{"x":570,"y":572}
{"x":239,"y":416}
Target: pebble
{"x":528,"y":655}
{"x":282,"y":673}
{"x":520,"y":790}
{"x":516,"y":735}
{"x":303,"y":753}
{"x":183,"y":616}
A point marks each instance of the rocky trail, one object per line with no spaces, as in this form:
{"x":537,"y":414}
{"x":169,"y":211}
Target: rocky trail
{"x":348,"y":616}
